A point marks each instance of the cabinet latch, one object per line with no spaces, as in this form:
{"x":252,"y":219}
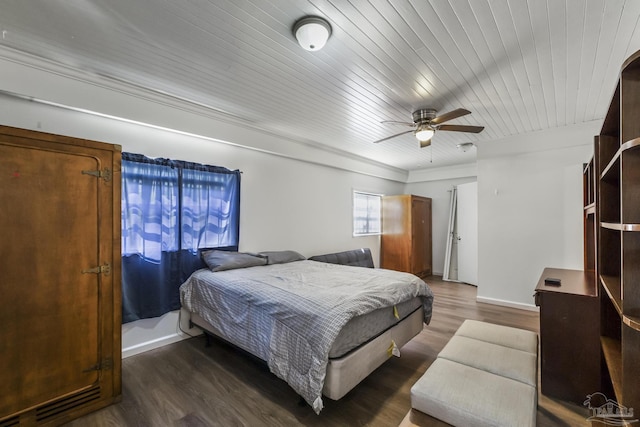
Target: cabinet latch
{"x":104,"y":174}
{"x":102,"y":269}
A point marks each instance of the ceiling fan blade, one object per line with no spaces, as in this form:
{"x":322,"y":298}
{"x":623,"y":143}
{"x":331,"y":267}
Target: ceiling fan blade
{"x":461,"y":128}
{"x":393,"y":122}
{"x":392,"y":136}
{"x":450,"y":116}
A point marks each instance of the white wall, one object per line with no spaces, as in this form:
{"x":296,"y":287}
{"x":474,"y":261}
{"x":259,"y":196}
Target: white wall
{"x":535,"y":219}
{"x":299,"y":197}
{"x":530,"y":209}
{"x":286,"y":203}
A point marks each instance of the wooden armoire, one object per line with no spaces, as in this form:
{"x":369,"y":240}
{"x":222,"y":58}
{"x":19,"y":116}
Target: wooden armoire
{"x":406,"y":234}
{"x":60,"y":296}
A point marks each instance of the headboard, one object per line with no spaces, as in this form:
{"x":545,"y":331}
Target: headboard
{"x":356,"y":257}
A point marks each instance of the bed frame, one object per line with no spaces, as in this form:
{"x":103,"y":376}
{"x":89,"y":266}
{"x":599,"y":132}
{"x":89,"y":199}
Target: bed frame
{"x":345,"y":372}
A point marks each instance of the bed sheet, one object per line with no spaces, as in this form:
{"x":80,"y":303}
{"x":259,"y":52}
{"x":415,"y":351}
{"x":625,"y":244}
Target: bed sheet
{"x":290,"y":314}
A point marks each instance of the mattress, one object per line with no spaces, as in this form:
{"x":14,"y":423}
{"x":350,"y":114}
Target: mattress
{"x":346,"y":372}
{"x":291,"y":314}
{"x":364,"y":328}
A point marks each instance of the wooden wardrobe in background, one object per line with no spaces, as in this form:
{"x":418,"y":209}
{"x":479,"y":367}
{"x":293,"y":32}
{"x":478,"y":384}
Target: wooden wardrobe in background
{"x":60,"y":350}
{"x":406,"y":234}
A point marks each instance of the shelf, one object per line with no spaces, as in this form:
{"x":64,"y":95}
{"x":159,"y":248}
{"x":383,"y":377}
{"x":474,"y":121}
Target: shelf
{"x":611,"y":285}
{"x":630,"y":62}
{"x":615,"y":226}
{"x":629,"y":145}
{"x":590,"y":209}
{"x":611,"y":348}
{"x":632,"y":321}
{"x":620,"y":227}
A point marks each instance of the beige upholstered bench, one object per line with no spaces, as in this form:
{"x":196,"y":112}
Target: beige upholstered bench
{"x":486,"y":375}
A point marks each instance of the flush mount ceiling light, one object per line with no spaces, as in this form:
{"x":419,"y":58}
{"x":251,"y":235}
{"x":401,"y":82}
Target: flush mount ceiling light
{"x":312,"y":32}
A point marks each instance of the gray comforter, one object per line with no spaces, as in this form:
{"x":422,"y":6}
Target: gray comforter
{"x":290,"y":314}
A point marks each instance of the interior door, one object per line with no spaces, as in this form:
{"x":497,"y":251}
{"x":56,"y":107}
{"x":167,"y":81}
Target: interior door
{"x":49,"y":222}
{"x":418,"y":235}
{"x":467,"y":232}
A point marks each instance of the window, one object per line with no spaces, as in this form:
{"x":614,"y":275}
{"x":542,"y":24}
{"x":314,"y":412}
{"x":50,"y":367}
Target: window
{"x":170,"y":210}
{"x":366,"y":213}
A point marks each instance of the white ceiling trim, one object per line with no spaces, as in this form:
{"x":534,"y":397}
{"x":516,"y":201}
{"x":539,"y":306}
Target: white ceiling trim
{"x":518,"y":65}
{"x":45,"y":81}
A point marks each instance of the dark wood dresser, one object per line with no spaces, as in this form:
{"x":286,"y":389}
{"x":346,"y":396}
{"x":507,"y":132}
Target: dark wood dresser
{"x":569,"y":335}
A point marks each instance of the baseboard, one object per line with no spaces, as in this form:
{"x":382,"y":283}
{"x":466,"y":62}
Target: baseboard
{"x":153,"y":344}
{"x":149,"y":334}
{"x":504,"y":303}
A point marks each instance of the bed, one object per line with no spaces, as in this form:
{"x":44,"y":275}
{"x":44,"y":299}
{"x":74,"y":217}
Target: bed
{"x":320,"y":325}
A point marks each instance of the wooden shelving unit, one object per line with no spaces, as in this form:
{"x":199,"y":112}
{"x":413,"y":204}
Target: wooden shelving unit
{"x":616,"y":242}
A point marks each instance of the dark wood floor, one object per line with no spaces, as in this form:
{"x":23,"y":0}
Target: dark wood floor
{"x":188,"y":384}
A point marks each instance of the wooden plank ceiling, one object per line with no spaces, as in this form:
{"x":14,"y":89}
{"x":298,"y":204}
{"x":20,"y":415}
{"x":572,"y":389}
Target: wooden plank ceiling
{"x":518,"y":65}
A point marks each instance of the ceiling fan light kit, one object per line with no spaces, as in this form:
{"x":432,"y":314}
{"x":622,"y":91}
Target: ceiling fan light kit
{"x":312,"y":32}
{"x":426,"y":124}
{"x":424,"y":132}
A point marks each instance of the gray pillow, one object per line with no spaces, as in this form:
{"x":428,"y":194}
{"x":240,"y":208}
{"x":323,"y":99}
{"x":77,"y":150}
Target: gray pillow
{"x":281,"y":257}
{"x":225,"y":260}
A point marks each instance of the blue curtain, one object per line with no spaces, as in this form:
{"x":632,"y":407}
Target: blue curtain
{"x":170,"y":210}
{"x":209,"y":212}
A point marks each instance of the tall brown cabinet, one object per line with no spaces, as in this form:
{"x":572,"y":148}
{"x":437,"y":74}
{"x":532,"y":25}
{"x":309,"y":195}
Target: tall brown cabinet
{"x":60,"y":350}
{"x":615,"y":243}
{"x":406,"y":234}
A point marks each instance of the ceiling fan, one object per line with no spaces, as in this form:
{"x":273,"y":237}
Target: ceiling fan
{"x":426,"y":124}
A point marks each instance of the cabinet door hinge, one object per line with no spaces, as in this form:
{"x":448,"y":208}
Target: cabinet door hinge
{"x":102,"y":269}
{"x":104,"y":174}
{"x":106,"y":365}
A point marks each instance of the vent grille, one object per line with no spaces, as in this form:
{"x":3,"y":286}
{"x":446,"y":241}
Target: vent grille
{"x":53,"y":409}
{"x":13,"y":421}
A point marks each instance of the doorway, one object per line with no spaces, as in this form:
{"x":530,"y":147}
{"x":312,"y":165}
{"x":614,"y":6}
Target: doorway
{"x":461,"y":259}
